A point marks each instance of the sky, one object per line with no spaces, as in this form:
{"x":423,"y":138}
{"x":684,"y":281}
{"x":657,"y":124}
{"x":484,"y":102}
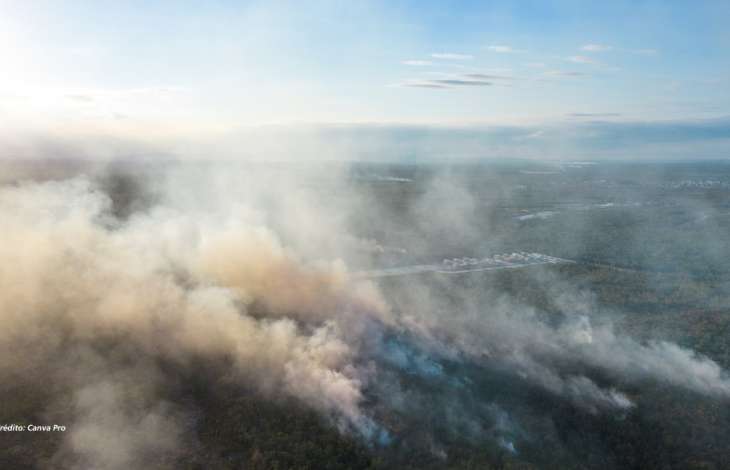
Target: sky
{"x":574,"y":72}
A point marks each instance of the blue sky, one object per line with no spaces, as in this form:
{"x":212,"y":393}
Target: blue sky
{"x":147,"y":68}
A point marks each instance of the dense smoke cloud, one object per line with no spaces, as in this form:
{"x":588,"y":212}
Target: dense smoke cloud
{"x":173,"y":288}
{"x":245,"y":269}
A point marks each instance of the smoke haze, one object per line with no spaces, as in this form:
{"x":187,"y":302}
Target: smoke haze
{"x":119,"y":283}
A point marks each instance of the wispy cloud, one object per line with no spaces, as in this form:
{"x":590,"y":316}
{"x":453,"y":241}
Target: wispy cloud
{"x":422,"y":84}
{"x":594,"y":115}
{"x":466,"y":80}
{"x":581,"y":59}
{"x":417,"y":63}
{"x":536,"y":65}
{"x":595,"y":48}
{"x":451,"y":56}
{"x":502,"y":49}
{"x":487,"y":76}
{"x":460,"y":82}
{"x":565,"y":73}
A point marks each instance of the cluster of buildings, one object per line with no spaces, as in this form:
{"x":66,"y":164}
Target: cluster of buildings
{"x":460,"y":265}
{"x":521,"y":258}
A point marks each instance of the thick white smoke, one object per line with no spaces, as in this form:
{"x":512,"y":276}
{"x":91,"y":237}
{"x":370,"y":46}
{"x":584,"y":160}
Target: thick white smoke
{"x":168,"y":287}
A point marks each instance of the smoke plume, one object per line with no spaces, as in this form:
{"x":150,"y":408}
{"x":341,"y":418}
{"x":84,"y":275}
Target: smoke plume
{"x":113,"y":294}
